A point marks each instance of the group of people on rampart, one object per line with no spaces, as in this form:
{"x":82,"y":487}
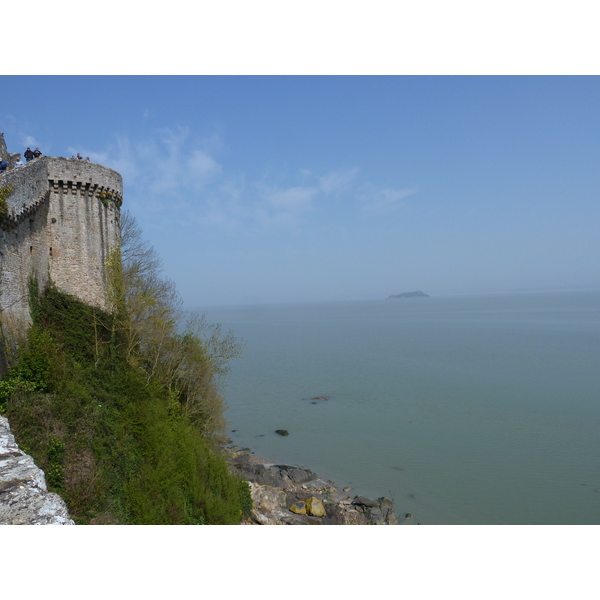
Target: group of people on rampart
{"x":29,"y":155}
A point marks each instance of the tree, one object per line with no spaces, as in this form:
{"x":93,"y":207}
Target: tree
{"x":186,"y":354}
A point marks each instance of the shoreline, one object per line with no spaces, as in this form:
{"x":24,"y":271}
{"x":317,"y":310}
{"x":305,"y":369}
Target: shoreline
{"x":292,"y":495}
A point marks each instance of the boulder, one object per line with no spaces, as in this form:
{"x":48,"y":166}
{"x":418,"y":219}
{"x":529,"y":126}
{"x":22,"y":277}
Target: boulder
{"x":282,"y":431}
{"x":296,"y":474}
{"x":375,"y":512}
{"x":315,"y":507}
{"x":299,"y":508}
{"x":361,"y":500}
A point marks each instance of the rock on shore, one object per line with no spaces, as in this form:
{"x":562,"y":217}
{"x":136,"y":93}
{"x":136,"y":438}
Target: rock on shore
{"x":288,"y":495}
{"x":24,"y":497}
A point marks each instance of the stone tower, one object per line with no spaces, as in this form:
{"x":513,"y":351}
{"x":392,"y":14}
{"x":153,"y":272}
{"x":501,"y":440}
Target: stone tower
{"x":59,"y":221}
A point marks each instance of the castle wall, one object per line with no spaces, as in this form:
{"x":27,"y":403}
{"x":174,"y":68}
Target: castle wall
{"x":28,"y":183}
{"x":63,"y":222}
{"x":21,"y":255}
{"x":3,"y":149}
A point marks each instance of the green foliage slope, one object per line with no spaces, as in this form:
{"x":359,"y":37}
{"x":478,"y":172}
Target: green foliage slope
{"x":118,"y":448}
{"x":122,"y":412}
{"x":4,"y":194}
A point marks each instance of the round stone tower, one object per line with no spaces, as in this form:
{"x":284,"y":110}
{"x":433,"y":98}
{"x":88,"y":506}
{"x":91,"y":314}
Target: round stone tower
{"x":59,"y":222}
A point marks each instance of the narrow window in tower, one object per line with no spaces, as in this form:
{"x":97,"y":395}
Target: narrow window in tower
{"x":50,"y":250}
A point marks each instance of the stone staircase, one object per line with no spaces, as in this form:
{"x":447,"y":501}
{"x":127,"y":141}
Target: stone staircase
{"x":12,"y":220}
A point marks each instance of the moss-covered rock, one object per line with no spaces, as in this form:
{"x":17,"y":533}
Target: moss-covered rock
{"x":315,"y":507}
{"x":299,"y":508}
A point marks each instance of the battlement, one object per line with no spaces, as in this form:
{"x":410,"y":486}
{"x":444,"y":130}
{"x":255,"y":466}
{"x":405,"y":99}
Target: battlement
{"x":60,"y":174}
{"x":61,"y":221}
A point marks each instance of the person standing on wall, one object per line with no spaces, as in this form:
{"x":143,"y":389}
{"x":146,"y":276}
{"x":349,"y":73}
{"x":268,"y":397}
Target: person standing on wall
{"x":28,"y":154}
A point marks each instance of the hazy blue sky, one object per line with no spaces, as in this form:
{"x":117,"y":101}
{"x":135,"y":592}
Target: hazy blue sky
{"x":289,"y":188}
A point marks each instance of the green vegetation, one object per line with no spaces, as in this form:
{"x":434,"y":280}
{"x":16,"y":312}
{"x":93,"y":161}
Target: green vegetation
{"x":4,"y":194}
{"x":107,"y":197}
{"x":121,"y":408}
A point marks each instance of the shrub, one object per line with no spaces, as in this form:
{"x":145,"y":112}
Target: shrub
{"x":4,"y":194}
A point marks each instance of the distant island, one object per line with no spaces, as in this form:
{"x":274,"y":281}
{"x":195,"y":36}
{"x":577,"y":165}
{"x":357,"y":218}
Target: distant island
{"x":417,"y":294}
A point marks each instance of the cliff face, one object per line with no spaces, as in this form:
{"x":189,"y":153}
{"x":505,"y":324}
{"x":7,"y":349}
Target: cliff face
{"x":24,"y":497}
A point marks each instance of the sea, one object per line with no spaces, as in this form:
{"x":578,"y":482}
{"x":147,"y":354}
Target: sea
{"x":464,"y":410}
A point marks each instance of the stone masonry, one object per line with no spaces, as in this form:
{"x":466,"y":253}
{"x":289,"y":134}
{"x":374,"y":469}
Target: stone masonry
{"x":24,"y":496}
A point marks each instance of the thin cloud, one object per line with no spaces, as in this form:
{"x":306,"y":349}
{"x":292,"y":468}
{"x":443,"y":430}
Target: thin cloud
{"x":337,"y":182}
{"x":203,"y":166}
{"x":293,"y":199}
{"x":256,"y":207}
{"x":30,"y":141}
{"x":384,"y":200}
{"x":270,"y":207}
{"x":173,"y":170}
{"x":171,"y":162}
{"x":18,"y":129}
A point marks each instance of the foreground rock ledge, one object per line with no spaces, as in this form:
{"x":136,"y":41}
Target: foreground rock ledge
{"x":24,"y":497}
{"x":287,"y":495}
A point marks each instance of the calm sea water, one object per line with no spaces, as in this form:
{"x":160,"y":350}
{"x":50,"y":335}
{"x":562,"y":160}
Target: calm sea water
{"x":470,"y":410}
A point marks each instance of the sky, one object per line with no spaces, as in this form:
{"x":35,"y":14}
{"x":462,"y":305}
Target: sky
{"x":276,"y":189}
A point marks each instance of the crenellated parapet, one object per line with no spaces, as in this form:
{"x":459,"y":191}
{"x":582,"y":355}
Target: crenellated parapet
{"x":86,"y":190}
